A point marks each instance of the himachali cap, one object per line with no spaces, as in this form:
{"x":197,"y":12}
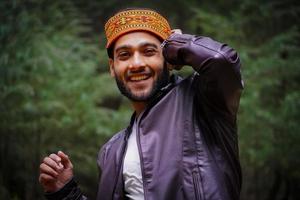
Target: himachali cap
{"x":136,"y":20}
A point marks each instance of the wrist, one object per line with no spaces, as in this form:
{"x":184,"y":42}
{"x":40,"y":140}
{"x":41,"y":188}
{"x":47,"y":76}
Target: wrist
{"x":62,"y":192}
{"x":174,"y":48}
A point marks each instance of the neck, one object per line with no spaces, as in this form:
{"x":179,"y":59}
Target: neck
{"x":139,"y":107}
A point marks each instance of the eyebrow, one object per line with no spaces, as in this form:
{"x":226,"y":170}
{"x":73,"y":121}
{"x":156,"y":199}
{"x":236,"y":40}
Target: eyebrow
{"x":144,"y":44}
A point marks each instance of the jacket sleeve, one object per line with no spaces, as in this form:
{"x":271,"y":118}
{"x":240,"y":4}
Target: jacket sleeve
{"x":218,"y":78}
{"x":100,"y":164}
{"x":70,"y":191}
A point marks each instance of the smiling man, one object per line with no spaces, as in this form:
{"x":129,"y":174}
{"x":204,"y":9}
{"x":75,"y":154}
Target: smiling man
{"x":181,"y":142}
{"x":138,"y":67}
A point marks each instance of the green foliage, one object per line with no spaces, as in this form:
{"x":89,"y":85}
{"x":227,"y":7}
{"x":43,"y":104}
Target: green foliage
{"x":50,"y":91}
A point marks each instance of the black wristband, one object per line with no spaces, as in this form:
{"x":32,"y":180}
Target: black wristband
{"x":70,"y":188}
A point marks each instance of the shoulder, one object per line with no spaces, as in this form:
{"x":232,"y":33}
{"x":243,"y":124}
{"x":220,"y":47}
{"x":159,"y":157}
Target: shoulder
{"x":104,"y":150}
{"x":114,"y":139}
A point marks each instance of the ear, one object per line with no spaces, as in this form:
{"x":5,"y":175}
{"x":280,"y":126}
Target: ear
{"x":111,"y":67}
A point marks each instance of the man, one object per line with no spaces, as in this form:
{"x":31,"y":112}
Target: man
{"x":181,"y":142}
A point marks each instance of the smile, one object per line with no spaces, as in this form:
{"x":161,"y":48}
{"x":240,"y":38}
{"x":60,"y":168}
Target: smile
{"x":138,"y":77}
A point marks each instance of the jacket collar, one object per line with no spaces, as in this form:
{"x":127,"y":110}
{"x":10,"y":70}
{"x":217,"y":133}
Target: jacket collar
{"x":174,"y":80}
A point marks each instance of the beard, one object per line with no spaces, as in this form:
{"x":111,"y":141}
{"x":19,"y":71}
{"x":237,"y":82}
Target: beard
{"x":161,"y":81}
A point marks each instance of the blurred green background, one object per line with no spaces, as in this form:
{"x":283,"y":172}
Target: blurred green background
{"x":56,"y":93}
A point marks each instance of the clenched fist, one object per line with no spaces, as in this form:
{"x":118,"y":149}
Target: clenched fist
{"x":55,"y":171}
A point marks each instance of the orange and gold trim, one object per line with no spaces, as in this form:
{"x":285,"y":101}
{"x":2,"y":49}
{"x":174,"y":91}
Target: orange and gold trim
{"x":135,"y":20}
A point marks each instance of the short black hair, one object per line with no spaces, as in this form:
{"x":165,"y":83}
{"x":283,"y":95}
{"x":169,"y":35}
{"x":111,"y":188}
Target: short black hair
{"x":110,"y":51}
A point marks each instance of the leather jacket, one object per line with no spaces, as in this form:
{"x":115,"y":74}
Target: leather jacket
{"x":187,"y":136}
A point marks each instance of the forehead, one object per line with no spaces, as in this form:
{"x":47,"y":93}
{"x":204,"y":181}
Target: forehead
{"x":134,"y":39}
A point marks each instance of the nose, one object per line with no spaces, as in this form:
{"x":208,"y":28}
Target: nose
{"x":137,"y":62}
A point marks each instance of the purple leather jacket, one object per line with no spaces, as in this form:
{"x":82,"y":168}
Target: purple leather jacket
{"x":187,"y":137}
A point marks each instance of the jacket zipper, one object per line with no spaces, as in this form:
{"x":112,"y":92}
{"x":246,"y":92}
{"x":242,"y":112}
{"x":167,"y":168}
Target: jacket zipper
{"x":124,"y":147}
{"x":197,"y":178}
{"x":198,"y":186}
{"x":139,"y":118}
{"x":140,"y":153}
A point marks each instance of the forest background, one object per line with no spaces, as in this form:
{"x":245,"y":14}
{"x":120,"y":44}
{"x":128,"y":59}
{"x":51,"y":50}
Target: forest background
{"x":56,"y":93}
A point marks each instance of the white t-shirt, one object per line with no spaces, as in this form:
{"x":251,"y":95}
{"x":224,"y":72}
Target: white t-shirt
{"x":132,"y":173}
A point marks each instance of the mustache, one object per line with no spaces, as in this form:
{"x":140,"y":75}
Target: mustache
{"x":139,"y":71}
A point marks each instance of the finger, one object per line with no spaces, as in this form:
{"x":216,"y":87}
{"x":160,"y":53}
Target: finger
{"x":51,"y":163}
{"x":65,"y":160}
{"x":46,"y":169}
{"x":178,"y":31}
{"x":45,"y":179}
{"x":55,"y":157}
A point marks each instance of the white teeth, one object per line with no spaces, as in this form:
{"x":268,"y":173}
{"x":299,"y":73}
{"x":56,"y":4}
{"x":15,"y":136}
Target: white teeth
{"x":138,"y":78}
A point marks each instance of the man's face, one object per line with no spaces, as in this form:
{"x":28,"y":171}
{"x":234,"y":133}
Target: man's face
{"x":138,"y":66}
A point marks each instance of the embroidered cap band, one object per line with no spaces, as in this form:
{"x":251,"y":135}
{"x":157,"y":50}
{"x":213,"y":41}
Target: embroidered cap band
{"x":135,"y":20}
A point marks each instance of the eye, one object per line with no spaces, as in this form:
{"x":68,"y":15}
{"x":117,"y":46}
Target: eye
{"x":123,"y":55}
{"x":149,"y":51}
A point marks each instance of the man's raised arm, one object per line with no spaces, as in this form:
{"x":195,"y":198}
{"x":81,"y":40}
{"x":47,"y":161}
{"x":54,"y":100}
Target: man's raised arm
{"x":218,"y":67}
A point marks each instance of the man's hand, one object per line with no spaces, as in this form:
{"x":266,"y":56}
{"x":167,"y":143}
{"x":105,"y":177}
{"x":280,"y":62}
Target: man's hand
{"x":55,"y":171}
{"x":178,"y":31}
{"x":170,"y":66}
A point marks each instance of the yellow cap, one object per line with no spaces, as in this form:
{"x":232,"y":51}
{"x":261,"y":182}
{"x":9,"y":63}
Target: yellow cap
{"x":136,"y":20}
